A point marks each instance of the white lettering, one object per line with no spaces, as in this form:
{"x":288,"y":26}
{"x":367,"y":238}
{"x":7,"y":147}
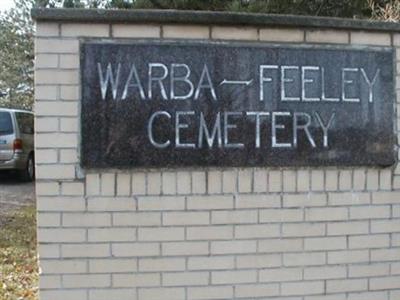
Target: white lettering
{"x":324,"y":97}
{"x":257,"y":114}
{"x":109,"y":78}
{"x":133,"y":74}
{"x":158,"y":79}
{"x":285,"y":80}
{"x":307,"y":81}
{"x":297,"y":127}
{"x":276,"y":126}
{"x":265,"y":79}
{"x":228,"y":126}
{"x":216,"y":131}
{"x":370,"y":83}
{"x":178,"y":126}
{"x":346,"y":82}
{"x":325,"y":127}
{"x":150,"y":130}
{"x":205,"y":76}
{"x":184,"y":78}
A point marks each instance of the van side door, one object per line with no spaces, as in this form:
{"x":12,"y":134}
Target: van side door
{"x":25,"y":126}
{"x":7,"y":136}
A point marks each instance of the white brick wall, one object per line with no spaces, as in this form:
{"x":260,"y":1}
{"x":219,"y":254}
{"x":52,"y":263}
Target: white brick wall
{"x":254,"y":233}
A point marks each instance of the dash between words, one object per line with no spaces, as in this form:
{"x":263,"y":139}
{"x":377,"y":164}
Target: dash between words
{"x":164,"y":79}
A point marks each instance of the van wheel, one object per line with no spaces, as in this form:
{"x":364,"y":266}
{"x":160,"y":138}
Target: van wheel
{"x":28,"y":174}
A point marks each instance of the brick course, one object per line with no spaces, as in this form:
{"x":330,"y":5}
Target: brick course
{"x":253,"y":233}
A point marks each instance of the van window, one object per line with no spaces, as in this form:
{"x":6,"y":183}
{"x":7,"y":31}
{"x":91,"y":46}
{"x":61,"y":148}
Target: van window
{"x":6,"y":126}
{"x":25,"y":123}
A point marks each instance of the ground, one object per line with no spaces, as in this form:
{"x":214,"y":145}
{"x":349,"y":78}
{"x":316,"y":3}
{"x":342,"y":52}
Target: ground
{"x":18,"y":262}
{"x":14,"y":193}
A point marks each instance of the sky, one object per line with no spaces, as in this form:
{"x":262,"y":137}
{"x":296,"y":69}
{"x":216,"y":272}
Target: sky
{"x":6,"y":4}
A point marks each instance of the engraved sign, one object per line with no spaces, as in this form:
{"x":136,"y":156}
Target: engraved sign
{"x":183,"y":103}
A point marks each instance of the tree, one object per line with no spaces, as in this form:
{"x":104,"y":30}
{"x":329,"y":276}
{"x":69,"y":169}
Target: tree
{"x":334,"y":8}
{"x":385,"y":10}
{"x":16,"y":56}
{"x":388,"y":10}
{"x":73,"y":3}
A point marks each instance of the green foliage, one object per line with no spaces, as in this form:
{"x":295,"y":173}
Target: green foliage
{"x":16,"y":56}
{"x":378,"y":9}
{"x":182,"y":4}
{"x":333,"y":8}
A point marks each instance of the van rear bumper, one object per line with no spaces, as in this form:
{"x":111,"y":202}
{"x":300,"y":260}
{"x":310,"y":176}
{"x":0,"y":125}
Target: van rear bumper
{"x":18,"y":162}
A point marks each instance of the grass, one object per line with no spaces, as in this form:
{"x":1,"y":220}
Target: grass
{"x":18,"y":260}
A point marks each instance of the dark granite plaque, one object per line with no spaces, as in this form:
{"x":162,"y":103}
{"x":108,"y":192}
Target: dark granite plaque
{"x":168,"y":104}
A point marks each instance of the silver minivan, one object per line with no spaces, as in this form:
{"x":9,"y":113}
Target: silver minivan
{"x":16,"y":142}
